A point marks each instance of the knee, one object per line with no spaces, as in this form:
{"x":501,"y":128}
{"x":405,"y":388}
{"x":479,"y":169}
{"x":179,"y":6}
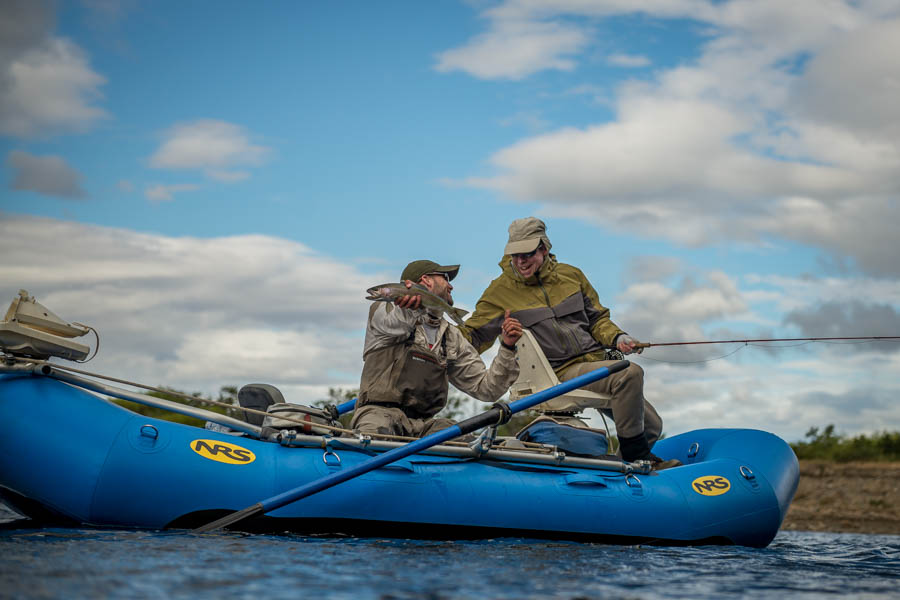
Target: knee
{"x":634,"y":373}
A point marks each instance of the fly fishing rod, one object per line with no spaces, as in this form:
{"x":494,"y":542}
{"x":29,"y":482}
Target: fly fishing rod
{"x":749,"y":341}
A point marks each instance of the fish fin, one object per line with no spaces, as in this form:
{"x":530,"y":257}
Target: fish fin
{"x":457,"y":315}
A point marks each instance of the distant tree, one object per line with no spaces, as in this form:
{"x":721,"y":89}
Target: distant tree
{"x":227,"y":394}
{"x":338,"y":396}
{"x":827,"y":445}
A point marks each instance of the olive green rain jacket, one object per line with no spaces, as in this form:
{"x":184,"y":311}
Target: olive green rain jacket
{"x":559,"y":306}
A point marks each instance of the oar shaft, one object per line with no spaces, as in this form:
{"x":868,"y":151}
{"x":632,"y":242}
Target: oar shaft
{"x":490,"y":417}
{"x":345,"y":407}
{"x":485,"y":419}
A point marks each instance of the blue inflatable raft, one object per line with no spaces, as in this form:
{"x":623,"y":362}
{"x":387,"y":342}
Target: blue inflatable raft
{"x":70,"y":456}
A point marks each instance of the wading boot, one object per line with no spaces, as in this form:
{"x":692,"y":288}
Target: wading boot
{"x":637,"y":448}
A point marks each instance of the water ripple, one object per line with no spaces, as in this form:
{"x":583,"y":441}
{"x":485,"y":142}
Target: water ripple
{"x":88,"y":563}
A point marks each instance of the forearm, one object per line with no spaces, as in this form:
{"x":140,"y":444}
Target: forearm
{"x":469,"y":374}
{"x":483,"y":327}
{"x":388,"y":324}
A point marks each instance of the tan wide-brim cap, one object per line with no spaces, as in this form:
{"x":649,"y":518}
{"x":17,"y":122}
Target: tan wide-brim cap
{"x":525,"y":235}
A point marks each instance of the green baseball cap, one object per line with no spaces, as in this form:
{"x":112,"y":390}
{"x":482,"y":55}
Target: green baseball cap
{"x":417,"y":268}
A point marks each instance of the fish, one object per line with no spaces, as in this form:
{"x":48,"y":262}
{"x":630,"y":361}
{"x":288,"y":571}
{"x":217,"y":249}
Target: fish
{"x":390,"y":292}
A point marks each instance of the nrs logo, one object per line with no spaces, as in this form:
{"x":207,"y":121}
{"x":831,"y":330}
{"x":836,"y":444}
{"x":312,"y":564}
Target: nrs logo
{"x":711,"y":485}
{"x":223,"y":452}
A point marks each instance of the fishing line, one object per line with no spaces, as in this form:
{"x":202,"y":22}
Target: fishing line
{"x":803,"y":342}
{"x":689,"y":362}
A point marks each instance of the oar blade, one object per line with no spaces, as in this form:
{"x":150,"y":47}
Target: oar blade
{"x":231,"y":519}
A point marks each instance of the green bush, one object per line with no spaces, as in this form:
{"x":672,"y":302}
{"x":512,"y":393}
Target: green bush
{"x":827,"y":445}
{"x":227,"y":394}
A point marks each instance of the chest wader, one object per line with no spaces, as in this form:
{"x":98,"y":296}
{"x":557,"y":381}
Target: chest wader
{"x":409,"y":376}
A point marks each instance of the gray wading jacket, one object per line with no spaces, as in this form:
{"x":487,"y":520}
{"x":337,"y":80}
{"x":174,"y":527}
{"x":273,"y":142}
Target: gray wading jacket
{"x":390,"y":333}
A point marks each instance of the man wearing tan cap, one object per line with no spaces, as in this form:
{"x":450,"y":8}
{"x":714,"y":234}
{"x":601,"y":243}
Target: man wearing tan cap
{"x":411,"y":354}
{"x":560,"y":307}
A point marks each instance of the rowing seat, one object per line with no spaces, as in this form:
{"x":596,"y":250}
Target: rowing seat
{"x":536,"y":374}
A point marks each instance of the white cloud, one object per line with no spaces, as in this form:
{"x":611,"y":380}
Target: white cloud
{"x":195,"y":313}
{"x":166,"y":193}
{"x":866,"y":94}
{"x":48,"y":175}
{"x":46,"y":83}
{"x":628,"y":60}
{"x":516,"y":49}
{"x":779,"y":387}
{"x":215,"y":147}
{"x":785,"y":126}
{"x":685,"y":310}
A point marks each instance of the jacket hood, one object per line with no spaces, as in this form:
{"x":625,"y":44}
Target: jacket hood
{"x":546,"y":272}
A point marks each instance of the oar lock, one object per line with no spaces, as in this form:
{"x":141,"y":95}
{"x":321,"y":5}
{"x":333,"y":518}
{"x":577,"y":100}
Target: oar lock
{"x":505,"y":412}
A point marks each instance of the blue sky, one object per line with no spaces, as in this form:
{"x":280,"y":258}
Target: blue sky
{"x":213,"y":185}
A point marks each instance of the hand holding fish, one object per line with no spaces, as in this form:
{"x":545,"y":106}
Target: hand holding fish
{"x":412,"y":296}
{"x":412,"y":301}
{"x":512,"y":330}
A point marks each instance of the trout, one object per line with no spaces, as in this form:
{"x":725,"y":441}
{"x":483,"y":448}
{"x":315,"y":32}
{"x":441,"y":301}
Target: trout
{"x":390,"y":292}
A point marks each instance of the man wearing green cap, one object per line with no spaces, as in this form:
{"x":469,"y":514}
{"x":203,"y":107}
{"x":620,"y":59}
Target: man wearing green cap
{"x":557,"y":303}
{"x":411,"y":355}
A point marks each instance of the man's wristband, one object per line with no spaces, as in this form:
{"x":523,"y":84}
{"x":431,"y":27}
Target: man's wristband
{"x":510,"y":348}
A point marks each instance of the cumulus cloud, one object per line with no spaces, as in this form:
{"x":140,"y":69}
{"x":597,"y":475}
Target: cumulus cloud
{"x":215,"y":147}
{"x":688,"y":309}
{"x":195,"y":313}
{"x":166,"y":193}
{"x":46,"y":83}
{"x":47,"y":175}
{"x":628,"y":60}
{"x":515,"y":49}
{"x":864,"y":95}
{"x":848,"y":319}
{"x":779,"y":395}
{"x":784,"y":126}
{"x":779,"y":387}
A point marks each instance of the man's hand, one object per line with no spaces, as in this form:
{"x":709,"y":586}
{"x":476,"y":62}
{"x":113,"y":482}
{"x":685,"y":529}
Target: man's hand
{"x":412,"y":302}
{"x":626,"y":344}
{"x":512,"y":330}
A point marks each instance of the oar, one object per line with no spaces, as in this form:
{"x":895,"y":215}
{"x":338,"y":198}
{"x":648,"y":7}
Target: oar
{"x":500,"y":413}
{"x":346,"y":407}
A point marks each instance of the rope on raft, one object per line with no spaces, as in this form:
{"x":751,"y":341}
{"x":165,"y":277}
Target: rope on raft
{"x":231,"y":407}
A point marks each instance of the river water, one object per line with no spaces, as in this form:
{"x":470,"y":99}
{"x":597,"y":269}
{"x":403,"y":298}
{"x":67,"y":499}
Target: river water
{"x":94,"y":563}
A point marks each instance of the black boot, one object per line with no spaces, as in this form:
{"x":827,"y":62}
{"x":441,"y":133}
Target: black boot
{"x":634,"y":448}
{"x":637,"y":448}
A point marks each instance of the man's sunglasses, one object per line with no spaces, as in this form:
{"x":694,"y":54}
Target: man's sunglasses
{"x":526,"y":255}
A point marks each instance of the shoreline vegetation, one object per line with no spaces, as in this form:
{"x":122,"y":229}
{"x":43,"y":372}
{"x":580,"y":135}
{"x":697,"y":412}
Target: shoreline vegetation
{"x":847,"y":484}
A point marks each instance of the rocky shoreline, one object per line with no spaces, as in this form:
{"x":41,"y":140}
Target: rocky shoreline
{"x":858,"y":497}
